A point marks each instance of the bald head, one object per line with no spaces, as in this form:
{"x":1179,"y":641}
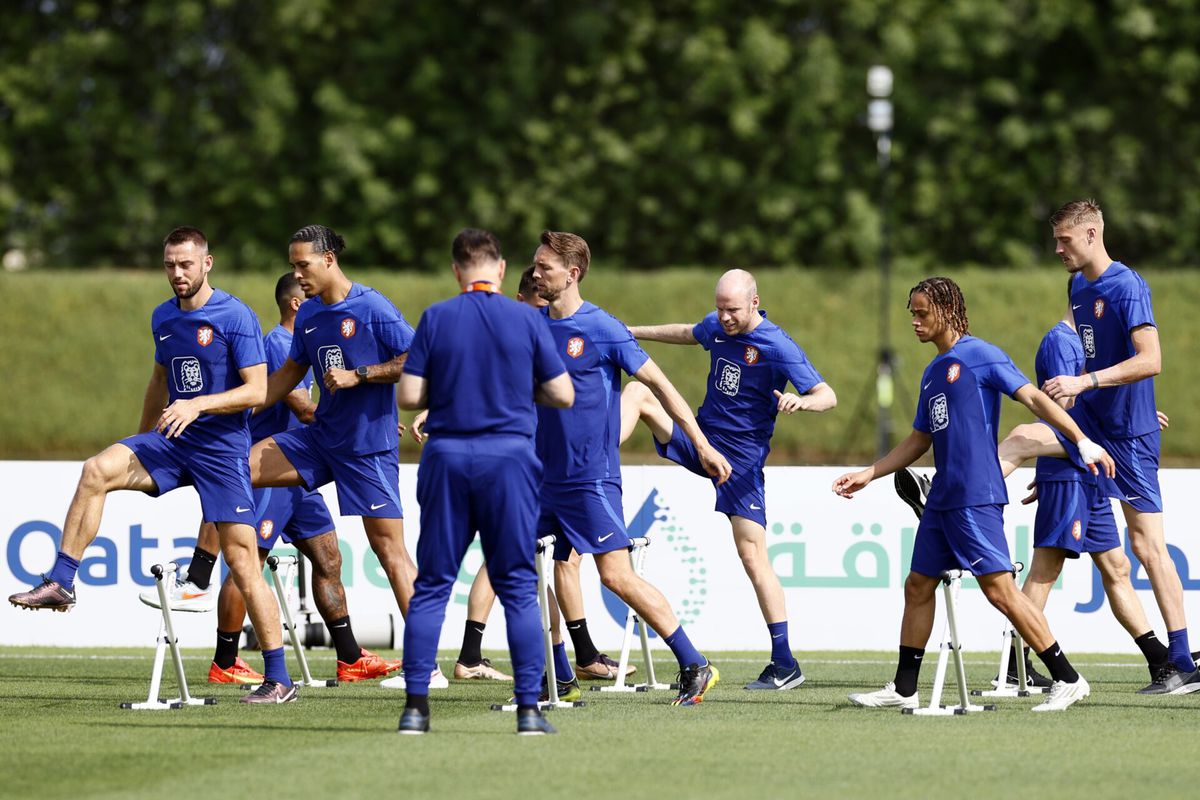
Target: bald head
{"x":737,"y":302}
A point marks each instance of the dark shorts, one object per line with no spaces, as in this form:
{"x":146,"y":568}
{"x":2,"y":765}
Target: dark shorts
{"x":1076,"y":517}
{"x":584,"y":516}
{"x":367,"y":485}
{"x":1137,"y":466}
{"x":292,"y":512}
{"x":223,"y":482}
{"x":970,"y":539}
{"x":743,"y":495}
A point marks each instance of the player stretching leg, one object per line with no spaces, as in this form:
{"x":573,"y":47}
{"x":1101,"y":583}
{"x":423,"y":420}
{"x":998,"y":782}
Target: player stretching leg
{"x":752,"y":361}
{"x":209,"y":371}
{"x":478,"y":362}
{"x":963,"y":524}
{"x":1114,"y":319}
{"x":581,"y":489}
{"x":300,"y":517}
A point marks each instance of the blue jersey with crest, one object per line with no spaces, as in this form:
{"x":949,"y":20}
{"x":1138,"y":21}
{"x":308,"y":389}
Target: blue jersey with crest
{"x":363,"y":329}
{"x":580,"y":443}
{"x":1059,"y":354}
{"x":482,"y":355}
{"x":1106,"y":312}
{"x":277,"y":418}
{"x":959,"y":406}
{"x":746,"y":370}
{"x":202,"y":351}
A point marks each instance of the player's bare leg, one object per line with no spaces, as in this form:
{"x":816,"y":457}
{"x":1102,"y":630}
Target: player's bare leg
{"x":240,"y":549}
{"x":1025,"y":442}
{"x":113,"y":469}
{"x":471,"y":665}
{"x":638,"y":403}
{"x":617,"y":575}
{"x":920,"y":607}
{"x":1001,"y":591}
{"x":1044,"y":569}
{"x":386,"y":537}
{"x":270,"y":467}
{"x":750,"y":538}
{"x":482,"y":597}
{"x":1150,"y":546}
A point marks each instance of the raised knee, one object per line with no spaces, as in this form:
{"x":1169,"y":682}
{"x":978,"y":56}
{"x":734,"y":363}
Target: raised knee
{"x":917,"y":590}
{"x":92,"y":477}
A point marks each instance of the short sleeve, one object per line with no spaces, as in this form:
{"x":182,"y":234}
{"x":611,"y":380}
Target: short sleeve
{"x":547,"y":364}
{"x":298,"y":352}
{"x":1055,"y":357}
{"x":705,"y":330}
{"x":245,"y":339}
{"x":1134,"y":305}
{"x":1003,"y":376}
{"x":623,"y":349}
{"x":393,"y":331}
{"x":794,"y":363}
{"x":418,"y":348}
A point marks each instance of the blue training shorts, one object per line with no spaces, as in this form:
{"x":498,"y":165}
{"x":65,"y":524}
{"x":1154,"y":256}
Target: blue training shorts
{"x":1137,"y":466}
{"x":584,"y":516}
{"x":1076,"y":517}
{"x":292,"y":512}
{"x":744,"y":494}
{"x":222,"y":482}
{"x":367,"y":485}
{"x":970,"y":538}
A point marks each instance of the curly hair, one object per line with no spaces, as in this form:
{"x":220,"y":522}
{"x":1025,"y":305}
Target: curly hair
{"x":947,"y":298}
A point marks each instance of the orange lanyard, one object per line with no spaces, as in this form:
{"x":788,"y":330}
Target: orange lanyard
{"x":481,"y":286}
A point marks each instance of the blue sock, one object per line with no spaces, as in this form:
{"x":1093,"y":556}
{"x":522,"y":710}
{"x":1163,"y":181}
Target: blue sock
{"x":275,"y":666}
{"x":685,"y":652}
{"x":1179,"y":651}
{"x":781,"y":651}
{"x":64,"y":570}
{"x":562,"y":664}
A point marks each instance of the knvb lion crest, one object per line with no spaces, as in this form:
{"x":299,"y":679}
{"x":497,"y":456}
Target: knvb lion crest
{"x":204,"y":335}
{"x":1098,"y":308}
{"x":953,"y":372}
{"x":575,"y":346}
{"x":751,"y":355}
{"x":939,"y":413}
{"x":729,"y":377}
{"x":347,"y":328}
{"x":266,"y":529}
{"x":1087,"y":338}
{"x":331,"y":358}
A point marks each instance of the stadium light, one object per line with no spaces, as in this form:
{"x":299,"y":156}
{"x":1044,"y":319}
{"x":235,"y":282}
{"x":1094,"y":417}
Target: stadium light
{"x":879,"y":121}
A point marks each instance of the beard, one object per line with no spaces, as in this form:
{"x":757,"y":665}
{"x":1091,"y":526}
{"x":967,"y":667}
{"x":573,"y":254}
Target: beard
{"x":189,"y":291}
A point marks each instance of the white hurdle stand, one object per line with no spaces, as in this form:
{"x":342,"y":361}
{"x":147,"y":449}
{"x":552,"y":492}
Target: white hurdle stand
{"x":637,"y":557}
{"x":290,"y":564}
{"x":164,"y":579}
{"x":1010,"y":639}
{"x":545,"y":552}
{"x":951,"y":583}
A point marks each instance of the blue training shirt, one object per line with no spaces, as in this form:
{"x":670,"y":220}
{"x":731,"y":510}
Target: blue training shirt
{"x":745,"y":371}
{"x":202,"y":351}
{"x":1059,"y":354}
{"x":361,"y":330}
{"x":959,"y":406}
{"x":278,"y":418}
{"x":581,"y":443}
{"x":1106,"y":312}
{"x":482,"y":355}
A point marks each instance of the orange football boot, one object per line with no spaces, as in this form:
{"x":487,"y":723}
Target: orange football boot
{"x":368,"y":667}
{"x":240,"y":672}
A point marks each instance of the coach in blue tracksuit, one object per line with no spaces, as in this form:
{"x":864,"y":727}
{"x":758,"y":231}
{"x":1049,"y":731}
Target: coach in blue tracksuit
{"x":478,"y":363}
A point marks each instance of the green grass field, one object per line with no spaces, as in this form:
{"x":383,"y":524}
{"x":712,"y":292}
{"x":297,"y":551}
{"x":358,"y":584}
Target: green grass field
{"x":66,"y":737}
{"x":77,"y":350}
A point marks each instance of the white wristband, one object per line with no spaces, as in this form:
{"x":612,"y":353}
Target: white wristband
{"x":1089,"y":451}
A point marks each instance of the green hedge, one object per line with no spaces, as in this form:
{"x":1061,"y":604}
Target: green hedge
{"x":665,"y":132}
{"x":77,"y":347}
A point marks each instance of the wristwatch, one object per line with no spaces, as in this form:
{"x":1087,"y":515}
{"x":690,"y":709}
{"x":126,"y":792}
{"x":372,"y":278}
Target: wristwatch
{"x":361,"y":372}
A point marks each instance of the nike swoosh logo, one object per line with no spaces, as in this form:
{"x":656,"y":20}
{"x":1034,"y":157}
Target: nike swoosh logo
{"x":605,"y":536}
{"x":718,"y":339}
{"x":926,"y":386}
{"x":1057,"y":653}
{"x":164,"y":338}
{"x":1134,"y":497}
{"x":1076,"y":308}
{"x":191,"y":596}
{"x":918,"y":658}
{"x":241,"y":510}
{"x":310,"y":330}
{"x":377,"y":506}
{"x":754,"y":507}
{"x":776,"y":635}
{"x":976,"y":561}
{"x":344,"y":624}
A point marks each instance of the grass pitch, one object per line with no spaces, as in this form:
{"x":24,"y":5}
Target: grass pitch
{"x":64,"y":736}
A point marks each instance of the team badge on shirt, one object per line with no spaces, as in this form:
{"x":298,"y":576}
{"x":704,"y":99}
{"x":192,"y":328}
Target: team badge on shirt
{"x":751,"y":355}
{"x":347,"y":328}
{"x":268,"y":527}
{"x":939,"y":413}
{"x":189,"y":378}
{"x":1098,"y":308}
{"x":331,"y":357}
{"x":729,"y":377}
{"x":953,"y":373}
{"x":204,"y":335}
{"x":1088,"y":338}
{"x":575,"y":346}
{"x":1076,"y":530}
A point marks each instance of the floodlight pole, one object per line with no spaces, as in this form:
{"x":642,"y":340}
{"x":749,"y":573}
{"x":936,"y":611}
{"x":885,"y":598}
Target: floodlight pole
{"x":879,"y":120}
